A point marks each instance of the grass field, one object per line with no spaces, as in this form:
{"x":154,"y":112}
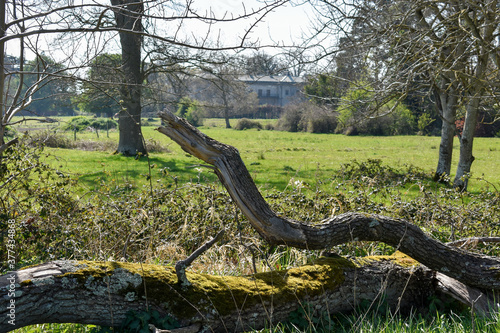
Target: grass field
{"x":272,"y":157}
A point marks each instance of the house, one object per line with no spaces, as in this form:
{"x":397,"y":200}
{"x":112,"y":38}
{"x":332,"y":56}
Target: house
{"x":274,"y":90}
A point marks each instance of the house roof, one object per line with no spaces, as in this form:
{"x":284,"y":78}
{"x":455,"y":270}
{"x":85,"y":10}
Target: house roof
{"x":271,"y":79}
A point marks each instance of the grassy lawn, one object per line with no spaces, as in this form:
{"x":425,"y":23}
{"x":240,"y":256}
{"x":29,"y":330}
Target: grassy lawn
{"x":272,"y":157}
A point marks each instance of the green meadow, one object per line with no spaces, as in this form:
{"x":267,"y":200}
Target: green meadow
{"x":274,"y":158}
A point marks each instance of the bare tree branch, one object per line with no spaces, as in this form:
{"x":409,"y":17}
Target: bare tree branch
{"x":472,"y":269}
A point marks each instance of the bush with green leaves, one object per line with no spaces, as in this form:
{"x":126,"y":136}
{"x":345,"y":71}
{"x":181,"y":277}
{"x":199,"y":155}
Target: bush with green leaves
{"x":245,"y":123}
{"x":10,"y":131}
{"x":307,"y":117}
{"x":81,"y":123}
{"x":360,"y":113}
{"x":32,"y":192}
{"x":316,"y":119}
{"x":190,"y":110}
{"x":423,"y":123}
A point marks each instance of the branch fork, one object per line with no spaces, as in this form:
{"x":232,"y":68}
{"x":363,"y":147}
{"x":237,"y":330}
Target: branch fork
{"x":181,"y":265}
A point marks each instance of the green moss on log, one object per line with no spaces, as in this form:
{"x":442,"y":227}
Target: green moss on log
{"x":208,"y":293}
{"x":398,"y":258}
{"x":216,"y":295}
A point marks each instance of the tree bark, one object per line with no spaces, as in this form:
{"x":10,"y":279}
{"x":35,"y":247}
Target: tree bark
{"x":446,"y":104}
{"x":466,"y":142}
{"x":483,"y":31}
{"x":102,"y":293}
{"x":128,"y":14}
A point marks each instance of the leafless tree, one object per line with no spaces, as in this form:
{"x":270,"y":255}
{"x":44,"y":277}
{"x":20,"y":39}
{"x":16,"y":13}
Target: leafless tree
{"x":221,"y":91}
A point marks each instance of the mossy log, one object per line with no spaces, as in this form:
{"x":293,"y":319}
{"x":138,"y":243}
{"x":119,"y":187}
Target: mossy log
{"x":103,"y":292}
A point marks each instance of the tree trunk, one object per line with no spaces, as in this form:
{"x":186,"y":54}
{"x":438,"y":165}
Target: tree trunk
{"x":474,"y":95}
{"x":446,"y":104}
{"x":466,"y":141}
{"x":226,"y":104}
{"x":226,"y":116}
{"x":479,"y":78}
{"x":128,"y":14}
{"x":102,"y":293}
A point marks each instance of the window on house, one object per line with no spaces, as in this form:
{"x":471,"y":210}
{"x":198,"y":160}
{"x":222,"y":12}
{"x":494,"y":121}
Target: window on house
{"x":259,"y":93}
{"x":286,"y":92}
{"x":268,"y":92}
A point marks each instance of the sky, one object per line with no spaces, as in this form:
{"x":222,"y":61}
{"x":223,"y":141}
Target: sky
{"x":284,"y":25}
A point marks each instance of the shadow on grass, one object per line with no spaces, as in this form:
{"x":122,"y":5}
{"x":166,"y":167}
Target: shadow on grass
{"x":126,"y":173}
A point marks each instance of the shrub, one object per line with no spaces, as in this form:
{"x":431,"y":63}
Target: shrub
{"x":360,"y":113}
{"x":56,"y":140}
{"x":307,"y":117}
{"x":32,"y":192}
{"x":318,"y":120}
{"x":398,"y":122}
{"x":81,"y":123}
{"x":10,"y":131}
{"x":78,"y":123}
{"x":189,"y":108}
{"x":103,"y":123}
{"x":245,"y":123}
{"x":269,"y":127}
{"x":48,"y":139}
{"x":424,"y":121}
{"x":290,"y":119}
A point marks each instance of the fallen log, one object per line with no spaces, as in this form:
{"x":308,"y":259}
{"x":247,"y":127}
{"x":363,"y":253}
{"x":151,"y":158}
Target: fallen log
{"x":102,"y":293}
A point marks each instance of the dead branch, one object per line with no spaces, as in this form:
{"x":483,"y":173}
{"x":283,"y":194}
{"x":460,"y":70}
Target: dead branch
{"x":472,"y":269}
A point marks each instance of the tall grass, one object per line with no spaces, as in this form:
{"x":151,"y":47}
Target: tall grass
{"x":449,"y":322}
